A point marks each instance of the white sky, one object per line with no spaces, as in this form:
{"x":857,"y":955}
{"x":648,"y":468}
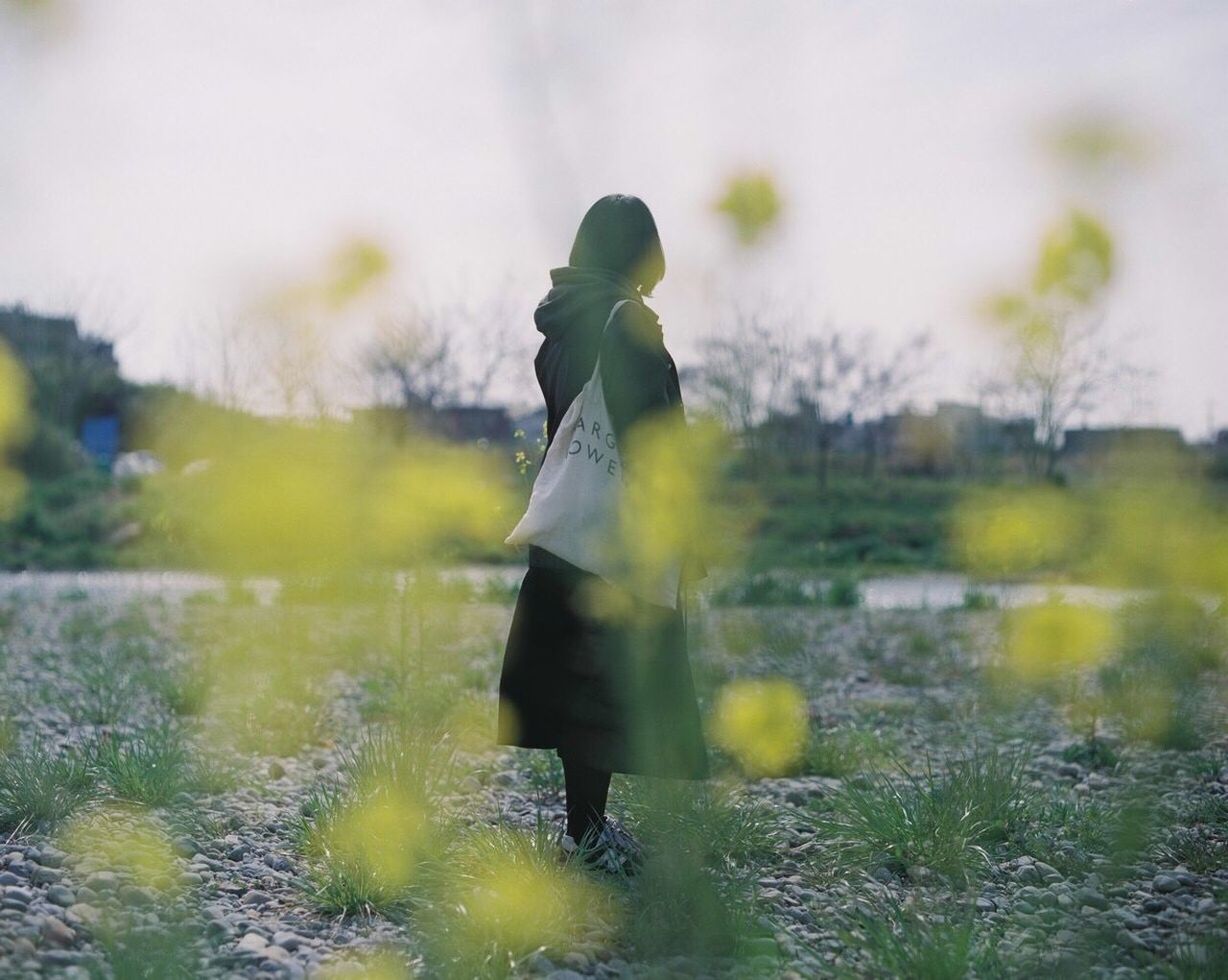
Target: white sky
{"x":163,"y":161}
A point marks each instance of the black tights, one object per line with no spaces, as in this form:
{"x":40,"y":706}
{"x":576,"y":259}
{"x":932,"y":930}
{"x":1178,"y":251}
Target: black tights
{"x":587,"y":789}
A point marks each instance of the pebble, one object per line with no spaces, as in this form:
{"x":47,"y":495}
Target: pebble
{"x":253,"y":942}
{"x":102,"y":880}
{"x":1165,"y":883}
{"x":50,"y":857}
{"x":18,"y":895}
{"x":1087,"y":896}
{"x":56,"y":932}
{"x":60,"y":957}
{"x":86,"y":913}
{"x":61,"y":895}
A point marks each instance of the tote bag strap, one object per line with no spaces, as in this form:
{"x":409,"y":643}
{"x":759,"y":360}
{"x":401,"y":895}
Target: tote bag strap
{"x":608,"y":320}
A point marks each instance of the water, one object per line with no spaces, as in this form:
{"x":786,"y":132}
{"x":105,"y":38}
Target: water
{"x":936,"y":590}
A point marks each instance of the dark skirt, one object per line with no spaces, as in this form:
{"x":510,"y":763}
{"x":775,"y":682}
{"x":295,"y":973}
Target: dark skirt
{"x":600,"y":676}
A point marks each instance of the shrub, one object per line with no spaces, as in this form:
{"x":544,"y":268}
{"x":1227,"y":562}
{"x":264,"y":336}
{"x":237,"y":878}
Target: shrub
{"x":1156,"y":683}
{"x":842,"y":592}
{"x":976,"y":600}
{"x":764,"y":590}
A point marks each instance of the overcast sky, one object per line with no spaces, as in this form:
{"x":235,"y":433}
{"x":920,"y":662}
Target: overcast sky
{"x":164,"y":161}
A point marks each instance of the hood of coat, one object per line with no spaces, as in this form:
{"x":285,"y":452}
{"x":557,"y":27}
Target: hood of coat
{"x":581,"y":299}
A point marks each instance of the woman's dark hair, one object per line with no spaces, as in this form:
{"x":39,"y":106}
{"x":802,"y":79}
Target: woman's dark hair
{"x":618,"y":234}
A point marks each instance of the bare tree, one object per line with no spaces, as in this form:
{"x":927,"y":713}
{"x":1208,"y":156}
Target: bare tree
{"x":411,"y":364}
{"x":825,"y":392}
{"x":1060,"y":360}
{"x":1061,"y":363}
{"x":884,"y":381}
{"x":495,"y":341}
{"x":743,"y":376}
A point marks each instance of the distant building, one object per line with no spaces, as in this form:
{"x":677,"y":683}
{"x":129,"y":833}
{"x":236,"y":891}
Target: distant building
{"x":1087,"y":442}
{"x":474,"y":423}
{"x":950,"y":439}
{"x":532,"y":424}
{"x":33,"y":337}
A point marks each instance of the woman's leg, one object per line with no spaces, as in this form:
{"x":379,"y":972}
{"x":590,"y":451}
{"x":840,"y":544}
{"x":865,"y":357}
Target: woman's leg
{"x":587,"y":790}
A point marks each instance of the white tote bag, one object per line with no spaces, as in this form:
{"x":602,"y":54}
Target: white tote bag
{"x":574,"y":508}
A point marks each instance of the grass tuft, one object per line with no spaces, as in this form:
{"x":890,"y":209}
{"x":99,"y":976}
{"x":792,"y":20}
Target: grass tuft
{"x":943,"y":823}
{"x":153,"y":768}
{"x":894,"y":942}
{"x":39,"y":790}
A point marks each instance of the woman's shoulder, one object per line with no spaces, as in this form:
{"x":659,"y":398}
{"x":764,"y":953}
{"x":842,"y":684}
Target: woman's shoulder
{"x":637,"y":327}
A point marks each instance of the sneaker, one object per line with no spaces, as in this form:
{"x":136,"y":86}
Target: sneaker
{"x":609,"y":848}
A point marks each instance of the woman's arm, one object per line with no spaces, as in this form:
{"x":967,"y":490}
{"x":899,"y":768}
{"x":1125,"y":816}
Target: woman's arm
{"x":635,"y":369}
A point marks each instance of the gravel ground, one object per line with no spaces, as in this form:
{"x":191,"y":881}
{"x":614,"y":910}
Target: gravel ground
{"x":911,"y":683}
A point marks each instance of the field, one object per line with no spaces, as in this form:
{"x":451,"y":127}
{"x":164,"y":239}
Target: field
{"x":208,"y":785}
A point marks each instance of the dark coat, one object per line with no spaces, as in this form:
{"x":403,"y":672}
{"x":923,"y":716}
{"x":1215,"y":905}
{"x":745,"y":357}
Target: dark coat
{"x":619,"y":696}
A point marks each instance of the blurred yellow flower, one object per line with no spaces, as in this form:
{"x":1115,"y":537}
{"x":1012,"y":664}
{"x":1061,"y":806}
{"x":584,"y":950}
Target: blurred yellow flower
{"x":1016,"y":531}
{"x":385,"y":834}
{"x":381,"y":965}
{"x":763,"y":724}
{"x":126,"y":840}
{"x":1048,"y":641}
{"x":752,"y":204}
{"x":523,"y":907}
{"x":14,"y":422}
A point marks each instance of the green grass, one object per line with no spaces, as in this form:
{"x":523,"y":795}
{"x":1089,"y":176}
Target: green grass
{"x":40,"y":789}
{"x":1068,"y":834}
{"x":354,"y":888}
{"x":153,"y":768}
{"x":1195,"y":848}
{"x":417,"y":763}
{"x":1157,"y":683}
{"x":944,"y":823}
{"x":841,"y":752}
{"x":168,"y":950}
{"x":1092,"y":753}
{"x":367,"y":836}
{"x":842,"y":592}
{"x":765,"y":589}
{"x":704,"y":848}
{"x":498,"y":895}
{"x":318,"y":814}
{"x":182,"y":689}
{"x":891,"y":941}
{"x":109,"y":663}
{"x":542,"y":770}
{"x":717,"y":828}
{"x":63,"y":522}
{"x":898,"y":523}
{"x":976,"y":600}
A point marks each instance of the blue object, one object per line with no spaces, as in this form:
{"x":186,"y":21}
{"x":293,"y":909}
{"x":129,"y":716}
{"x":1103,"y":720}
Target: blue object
{"x":100,"y":437}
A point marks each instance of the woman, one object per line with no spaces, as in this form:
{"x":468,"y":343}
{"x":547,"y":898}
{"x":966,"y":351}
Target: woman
{"x":608,"y":694}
